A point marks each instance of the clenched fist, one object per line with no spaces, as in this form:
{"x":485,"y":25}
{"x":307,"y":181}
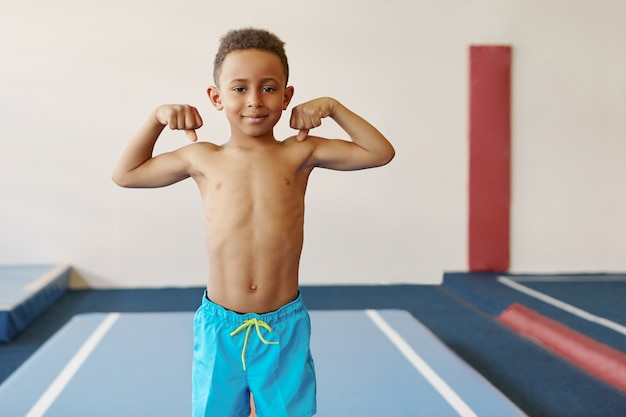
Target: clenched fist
{"x":309,"y":115}
{"x":180,"y":117}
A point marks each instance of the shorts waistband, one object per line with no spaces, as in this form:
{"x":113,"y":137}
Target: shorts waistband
{"x":283,"y":313}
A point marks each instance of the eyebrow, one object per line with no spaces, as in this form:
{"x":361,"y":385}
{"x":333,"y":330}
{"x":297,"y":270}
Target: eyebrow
{"x":245,"y":80}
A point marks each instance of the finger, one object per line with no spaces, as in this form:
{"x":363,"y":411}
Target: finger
{"x":309,"y":121}
{"x":172,"y":121}
{"x":317,"y":122}
{"x":293,"y":121}
{"x":193,"y":119}
{"x":191,"y":134}
{"x":180,"y":121}
{"x":302,"y":135}
{"x":300,"y":122}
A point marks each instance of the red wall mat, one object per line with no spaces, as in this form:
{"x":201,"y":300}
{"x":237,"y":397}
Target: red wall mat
{"x":596,"y":358}
{"x":489,"y":157}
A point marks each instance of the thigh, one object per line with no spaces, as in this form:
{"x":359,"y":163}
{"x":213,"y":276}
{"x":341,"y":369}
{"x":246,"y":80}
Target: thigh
{"x":283,"y":378}
{"x":219,"y":387}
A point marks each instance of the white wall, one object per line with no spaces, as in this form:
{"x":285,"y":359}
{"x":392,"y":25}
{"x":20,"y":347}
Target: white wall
{"x":77,"y":78}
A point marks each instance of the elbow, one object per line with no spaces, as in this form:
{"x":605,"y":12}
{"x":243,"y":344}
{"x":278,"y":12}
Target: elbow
{"x":118,"y":181}
{"x":391,"y":155}
{"x":387,"y":156}
{"x":121,"y":180}
{"x":380,"y":158}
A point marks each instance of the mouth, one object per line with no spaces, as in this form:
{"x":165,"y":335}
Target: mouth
{"x":255,"y":116}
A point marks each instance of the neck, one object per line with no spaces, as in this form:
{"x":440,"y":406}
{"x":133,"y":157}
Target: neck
{"x":244,"y":141}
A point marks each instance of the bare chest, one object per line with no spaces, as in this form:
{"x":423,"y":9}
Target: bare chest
{"x":243,"y":181}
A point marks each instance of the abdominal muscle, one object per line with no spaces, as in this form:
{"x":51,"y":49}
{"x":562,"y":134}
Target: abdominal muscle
{"x":254,"y":243}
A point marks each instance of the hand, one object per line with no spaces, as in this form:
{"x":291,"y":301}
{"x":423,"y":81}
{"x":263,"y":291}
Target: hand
{"x":180,"y":117}
{"x":309,"y":115}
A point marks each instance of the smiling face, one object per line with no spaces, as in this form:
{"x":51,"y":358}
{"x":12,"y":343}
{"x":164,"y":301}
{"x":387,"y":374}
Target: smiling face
{"x":252,"y":92}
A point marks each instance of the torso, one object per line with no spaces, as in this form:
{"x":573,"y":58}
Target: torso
{"x":254,"y":219}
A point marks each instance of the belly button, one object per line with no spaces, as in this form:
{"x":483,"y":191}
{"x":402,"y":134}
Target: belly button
{"x":253,"y":287}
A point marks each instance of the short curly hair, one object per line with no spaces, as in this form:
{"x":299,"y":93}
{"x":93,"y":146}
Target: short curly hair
{"x":249,"y":38}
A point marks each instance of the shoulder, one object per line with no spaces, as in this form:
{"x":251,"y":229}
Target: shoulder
{"x":307,"y":146}
{"x":305,"y":152}
{"x":198,"y":148}
{"x":204,"y":147}
{"x":196,"y":155}
{"x":310,"y":142}
{"x":314,"y":144}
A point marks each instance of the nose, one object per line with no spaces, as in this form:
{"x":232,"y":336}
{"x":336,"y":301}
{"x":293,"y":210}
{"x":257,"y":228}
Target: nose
{"x":254,"y":99}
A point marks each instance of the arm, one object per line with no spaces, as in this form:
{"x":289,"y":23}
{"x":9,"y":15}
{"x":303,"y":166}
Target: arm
{"x":368,"y":147}
{"x":136,"y":167}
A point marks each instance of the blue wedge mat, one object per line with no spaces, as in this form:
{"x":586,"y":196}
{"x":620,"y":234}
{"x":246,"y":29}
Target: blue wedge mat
{"x":26,"y":291}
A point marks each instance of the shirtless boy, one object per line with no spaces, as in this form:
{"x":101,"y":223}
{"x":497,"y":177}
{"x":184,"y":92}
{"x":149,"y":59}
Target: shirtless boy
{"x":252,"y":331}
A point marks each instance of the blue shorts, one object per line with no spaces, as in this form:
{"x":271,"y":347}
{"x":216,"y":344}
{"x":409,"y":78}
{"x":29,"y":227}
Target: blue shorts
{"x":267,"y":355}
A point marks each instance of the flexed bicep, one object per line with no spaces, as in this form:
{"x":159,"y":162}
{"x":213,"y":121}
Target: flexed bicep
{"x":159,"y":171}
{"x":340,"y":155}
{"x":367,"y":147}
{"x":136,"y":165}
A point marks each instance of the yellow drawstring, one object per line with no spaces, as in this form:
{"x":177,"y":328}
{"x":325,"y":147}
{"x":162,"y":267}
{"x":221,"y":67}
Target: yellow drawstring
{"x":247,"y":324}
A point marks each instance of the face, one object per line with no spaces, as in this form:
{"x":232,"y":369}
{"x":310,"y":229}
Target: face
{"x":251,"y":90}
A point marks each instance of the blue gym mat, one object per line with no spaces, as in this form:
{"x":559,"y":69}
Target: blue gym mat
{"x":369,"y":363}
{"x":26,"y":291}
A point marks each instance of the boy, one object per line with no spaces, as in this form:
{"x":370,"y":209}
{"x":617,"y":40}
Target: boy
{"x":252,"y":331}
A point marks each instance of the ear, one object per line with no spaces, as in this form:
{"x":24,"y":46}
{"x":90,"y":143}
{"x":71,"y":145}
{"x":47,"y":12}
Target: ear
{"x":287,"y":97}
{"x":215,"y":97}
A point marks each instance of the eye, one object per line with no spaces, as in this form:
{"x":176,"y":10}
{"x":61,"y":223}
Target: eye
{"x":239,"y":89}
{"x":268,"y":89}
